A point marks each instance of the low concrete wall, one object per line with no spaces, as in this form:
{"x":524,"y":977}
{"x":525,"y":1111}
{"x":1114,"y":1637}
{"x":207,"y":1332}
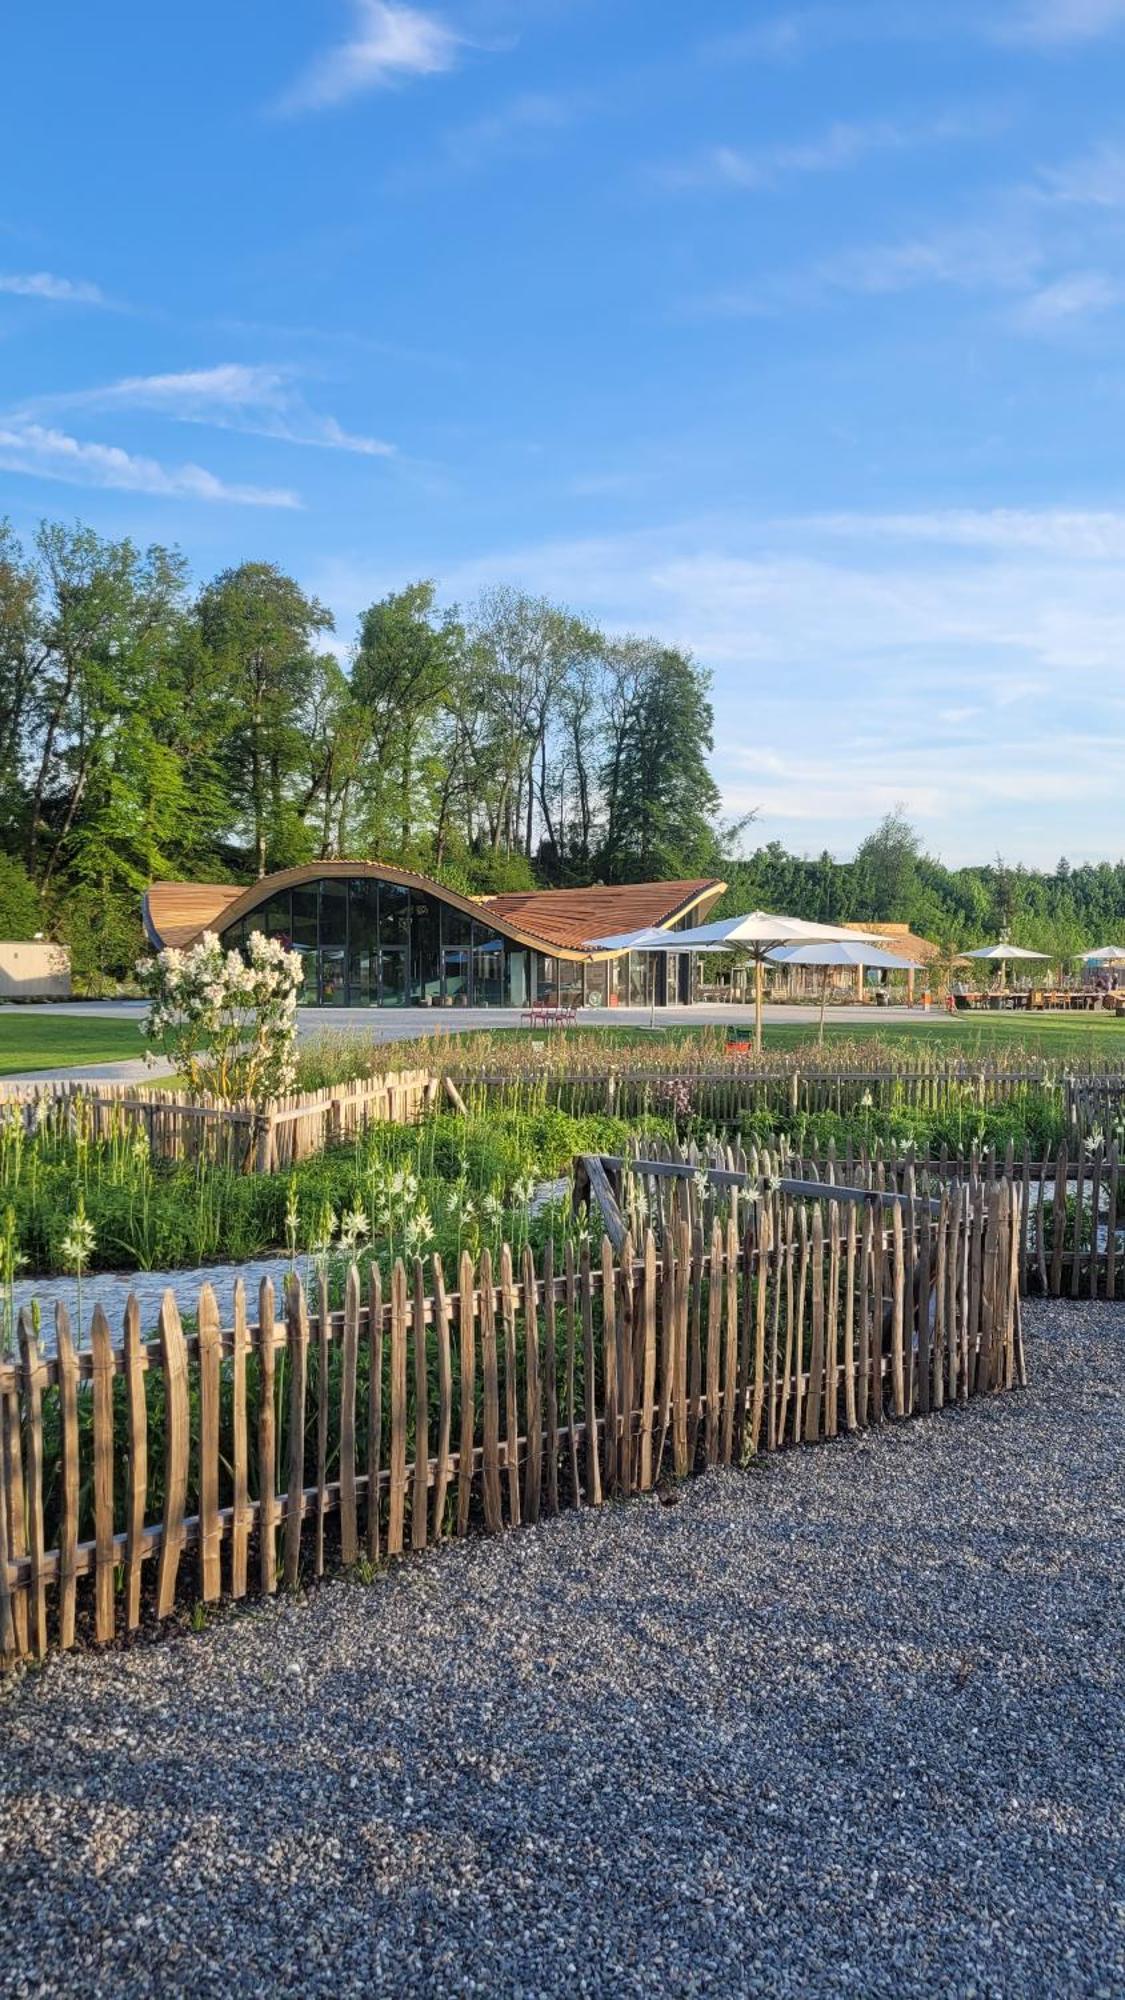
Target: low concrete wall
{"x":34,"y":970}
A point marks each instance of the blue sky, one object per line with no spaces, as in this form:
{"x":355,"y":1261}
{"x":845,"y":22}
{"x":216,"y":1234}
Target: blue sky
{"x":793,"y":336}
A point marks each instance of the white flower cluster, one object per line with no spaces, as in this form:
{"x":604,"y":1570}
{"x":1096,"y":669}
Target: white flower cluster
{"x":228,"y":1021}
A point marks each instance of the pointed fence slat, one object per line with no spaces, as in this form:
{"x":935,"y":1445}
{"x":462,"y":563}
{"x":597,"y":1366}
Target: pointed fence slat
{"x":69,"y":1480}
{"x":297,"y":1358}
{"x":177,"y":1442}
{"x":349,"y":1525}
{"x":467,"y":1367}
{"x":33,"y":1381}
{"x":267,"y":1441}
{"x":208,"y":1356}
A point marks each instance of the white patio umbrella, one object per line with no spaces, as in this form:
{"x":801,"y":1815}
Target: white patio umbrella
{"x":1106,"y":954}
{"x":831,"y":954}
{"x":757,"y":934}
{"x":1005,"y":954}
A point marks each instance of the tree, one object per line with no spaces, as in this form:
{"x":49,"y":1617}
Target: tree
{"x":107,"y":615}
{"x":261,"y":628}
{"x":404,"y":673}
{"x":887,"y":867}
{"x":661,"y":800}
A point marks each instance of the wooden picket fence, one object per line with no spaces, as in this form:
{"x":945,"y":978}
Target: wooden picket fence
{"x":784,"y":1087}
{"x":1095,"y":1105}
{"x":140,"y":1473}
{"x":1072,"y":1202}
{"x":180,"y":1126}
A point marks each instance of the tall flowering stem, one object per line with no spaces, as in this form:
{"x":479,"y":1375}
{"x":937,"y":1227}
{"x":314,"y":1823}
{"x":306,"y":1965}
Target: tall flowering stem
{"x":227,"y":1021}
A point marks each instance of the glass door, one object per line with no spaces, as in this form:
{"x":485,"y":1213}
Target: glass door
{"x":392,"y":976}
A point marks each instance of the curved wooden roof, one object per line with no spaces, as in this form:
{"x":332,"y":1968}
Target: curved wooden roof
{"x":554,"y":920}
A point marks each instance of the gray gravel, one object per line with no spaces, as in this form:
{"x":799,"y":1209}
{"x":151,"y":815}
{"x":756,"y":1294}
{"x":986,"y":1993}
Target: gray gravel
{"x":848,"y":1724}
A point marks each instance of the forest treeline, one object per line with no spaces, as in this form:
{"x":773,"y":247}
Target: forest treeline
{"x":150,"y":728}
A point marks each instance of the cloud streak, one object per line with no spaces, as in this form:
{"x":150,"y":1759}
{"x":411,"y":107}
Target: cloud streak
{"x":261,"y":400}
{"x":46,"y":285}
{"x":1053,"y":23}
{"x":391,"y":44}
{"x":43,"y":452}
{"x":842,"y":145}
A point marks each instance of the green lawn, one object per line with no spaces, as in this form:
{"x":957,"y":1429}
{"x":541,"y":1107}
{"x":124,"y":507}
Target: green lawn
{"x":1097,"y":1037}
{"x":47,"y":1040}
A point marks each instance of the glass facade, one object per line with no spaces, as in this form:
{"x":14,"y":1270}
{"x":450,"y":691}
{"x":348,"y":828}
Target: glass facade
{"x":367,"y":943}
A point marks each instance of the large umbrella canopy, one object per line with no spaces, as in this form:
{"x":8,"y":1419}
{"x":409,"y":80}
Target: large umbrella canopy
{"x":842,"y":953}
{"x":757,"y":934}
{"x":1106,"y":954}
{"x":1001,"y":953}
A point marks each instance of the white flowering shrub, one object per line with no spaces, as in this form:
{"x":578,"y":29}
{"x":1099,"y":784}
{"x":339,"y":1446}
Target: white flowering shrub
{"x":228,"y":1023}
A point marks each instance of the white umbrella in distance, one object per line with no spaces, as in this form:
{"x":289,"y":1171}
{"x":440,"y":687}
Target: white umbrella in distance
{"x":1106,"y":954}
{"x":828,"y":955}
{"x":1004,"y":955}
{"x":757,"y":934}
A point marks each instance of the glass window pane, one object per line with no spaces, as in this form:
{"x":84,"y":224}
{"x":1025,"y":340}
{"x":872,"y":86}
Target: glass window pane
{"x":597,"y":983}
{"x":456,"y":926}
{"x":392,"y":977}
{"x":519,"y":976}
{"x":570,"y":983}
{"x":425,"y":950}
{"x":306,"y":903}
{"x":333,"y":912}
{"x":273,"y":917}
{"x":394,"y":913}
{"x":488,"y":967}
{"x":640,"y":977}
{"x":363,"y":942}
{"x":333,"y":976}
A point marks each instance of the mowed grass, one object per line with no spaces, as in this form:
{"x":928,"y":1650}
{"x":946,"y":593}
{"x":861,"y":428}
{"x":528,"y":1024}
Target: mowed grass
{"x":48,"y":1040}
{"x":1097,"y":1038}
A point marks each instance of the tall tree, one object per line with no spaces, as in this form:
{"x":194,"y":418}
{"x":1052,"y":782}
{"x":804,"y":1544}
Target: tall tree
{"x":405,"y":672}
{"x":661,"y":798}
{"x":887,"y":867}
{"x":262,"y":629}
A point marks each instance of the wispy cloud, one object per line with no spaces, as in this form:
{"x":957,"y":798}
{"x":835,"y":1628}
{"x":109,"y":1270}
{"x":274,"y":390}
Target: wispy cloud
{"x":1066,"y":534}
{"x":1047,"y":251}
{"x":842,"y":145}
{"x":391,"y":43}
{"x":1049,"y":23}
{"x":1094,"y":180}
{"x":46,"y":285}
{"x":46,"y":453}
{"x":523,"y":127}
{"x":261,"y":400}
{"x":798,"y":32}
{"x":1076,"y":295}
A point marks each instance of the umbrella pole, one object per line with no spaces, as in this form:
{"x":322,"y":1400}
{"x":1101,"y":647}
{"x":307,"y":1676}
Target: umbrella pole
{"x":823,"y":1003}
{"x":758,"y":984}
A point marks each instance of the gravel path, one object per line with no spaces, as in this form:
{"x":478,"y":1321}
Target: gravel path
{"x":850,"y":1724}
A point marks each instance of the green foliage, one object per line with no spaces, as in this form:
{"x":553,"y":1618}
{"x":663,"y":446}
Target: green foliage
{"x":148,"y":1215}
{"x":892,"y":880}
{"x":21,"y":913}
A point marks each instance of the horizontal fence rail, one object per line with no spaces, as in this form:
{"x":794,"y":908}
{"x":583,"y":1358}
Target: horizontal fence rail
{"x":231,"y":1459}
